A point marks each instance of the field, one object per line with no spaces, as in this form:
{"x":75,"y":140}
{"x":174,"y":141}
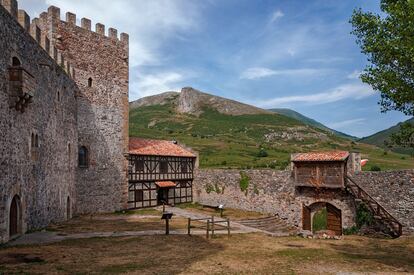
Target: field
{"x":239,"y":254}
{"x":226,"y":141}
{"x":247,"y":253}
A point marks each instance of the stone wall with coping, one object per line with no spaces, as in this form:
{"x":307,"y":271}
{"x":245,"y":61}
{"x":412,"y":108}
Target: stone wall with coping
{"x":269,"y":191}
{"x":394,"y":190}
{"x":43,"y":184}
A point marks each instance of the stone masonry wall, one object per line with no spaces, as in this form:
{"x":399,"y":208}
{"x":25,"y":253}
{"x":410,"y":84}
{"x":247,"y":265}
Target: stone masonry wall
{"x":45,"y":183}
{"x":394,"y":190}
{"x":102,"y":108}
{"x":269,"y":191}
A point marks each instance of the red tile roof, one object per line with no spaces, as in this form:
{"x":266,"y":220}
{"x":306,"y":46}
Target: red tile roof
{"x":162,"y":184}
{"x":141,"y":146}
{"x":321,"y":156}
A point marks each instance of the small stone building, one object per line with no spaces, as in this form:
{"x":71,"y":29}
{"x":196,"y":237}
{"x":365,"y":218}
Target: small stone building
{"x":321,"y":170}
{"x":159,"y":172}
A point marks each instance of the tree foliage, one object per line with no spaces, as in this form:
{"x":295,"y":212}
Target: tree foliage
{"x":388,"y":42}
{"x":405,"y":137}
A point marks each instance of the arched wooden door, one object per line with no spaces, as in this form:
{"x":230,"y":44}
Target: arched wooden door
{"x":14,"y":224}
{"x":334,"y":219}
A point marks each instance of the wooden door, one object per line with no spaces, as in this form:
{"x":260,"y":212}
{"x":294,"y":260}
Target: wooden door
{"x":306,"y":218}
{"x":334,"y":219}
{"x":14,"y":217}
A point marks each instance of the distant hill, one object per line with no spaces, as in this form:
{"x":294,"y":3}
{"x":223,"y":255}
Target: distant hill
{"x":381,"y":137}
{"x":228,"y":133}
{"x":308,"y":121}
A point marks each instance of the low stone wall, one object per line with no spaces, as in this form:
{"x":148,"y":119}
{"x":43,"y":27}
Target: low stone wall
{"x":394,"y":190}
{"x":269,"y":191}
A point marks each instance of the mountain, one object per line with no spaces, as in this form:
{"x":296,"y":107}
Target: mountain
{"x":228,"y":133}
{"x":308,"y":121}
{"x":381,"y":137}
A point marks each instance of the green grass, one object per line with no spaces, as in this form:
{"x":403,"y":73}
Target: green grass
{"x":226,"y":141}
{"x":319,"y":221}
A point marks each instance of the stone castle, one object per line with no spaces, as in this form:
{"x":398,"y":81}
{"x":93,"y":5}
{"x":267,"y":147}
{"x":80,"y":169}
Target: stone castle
{"x":65,"y":148}
{"x":64,"y":119}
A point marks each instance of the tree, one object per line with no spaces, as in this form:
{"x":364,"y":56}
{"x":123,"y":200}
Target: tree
{"x":388,"y":42}
{"x":405,"y":137}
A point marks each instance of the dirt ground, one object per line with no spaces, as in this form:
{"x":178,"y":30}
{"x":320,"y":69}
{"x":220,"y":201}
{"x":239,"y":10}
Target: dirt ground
{"x":233,"y":214}
{"x":117,"y":223}
{"x":239,"y":254}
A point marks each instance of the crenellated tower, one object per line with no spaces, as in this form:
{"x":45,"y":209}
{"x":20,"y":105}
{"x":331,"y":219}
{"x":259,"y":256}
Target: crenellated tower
{"x":99,"y":65}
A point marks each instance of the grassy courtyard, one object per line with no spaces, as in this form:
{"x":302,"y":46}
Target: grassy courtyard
{"x":239,"y":254}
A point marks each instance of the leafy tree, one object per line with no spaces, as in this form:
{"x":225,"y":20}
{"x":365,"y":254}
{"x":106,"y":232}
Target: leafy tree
{"x":405,"y":137}
{"x":388,"y":42}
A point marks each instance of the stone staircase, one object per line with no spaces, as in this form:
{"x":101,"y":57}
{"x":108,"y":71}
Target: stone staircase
{"x":271,"y":224}
{"x":392,"y":226}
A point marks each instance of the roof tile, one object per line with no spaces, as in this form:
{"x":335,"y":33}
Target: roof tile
{"x":141,"y":146}
{"x":321,"y":156}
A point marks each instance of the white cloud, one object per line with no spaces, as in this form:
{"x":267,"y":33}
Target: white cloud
{"x":354,"y":75}
{"x":347,"y":91}
{"x":260,"y":72}
{"x":346,"y":123}
{"x":152,"y":84}
{"x":150,"y":24}
{"x":276,"y":15}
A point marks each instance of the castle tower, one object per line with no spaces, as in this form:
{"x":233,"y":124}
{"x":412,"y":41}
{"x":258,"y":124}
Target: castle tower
{"x":100,"y":69}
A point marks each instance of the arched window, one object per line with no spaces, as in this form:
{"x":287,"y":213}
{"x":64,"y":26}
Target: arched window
{"x":83,"y":157}
{"x":15,"y":219}
{"x":68,"y":209}
{"x":32,"y":142}
{"x":90,"y":82}
{"x":16,"y":62}
{"x":58,"y":96}
{"x":36,"y":141}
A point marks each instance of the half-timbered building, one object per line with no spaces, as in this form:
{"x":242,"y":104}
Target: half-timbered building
{"x":159,"y":172}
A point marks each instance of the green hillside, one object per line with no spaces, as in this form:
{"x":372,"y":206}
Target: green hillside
{"x":309,"y":121}
{"x":247,"y":141}
{"x":381,"y":137}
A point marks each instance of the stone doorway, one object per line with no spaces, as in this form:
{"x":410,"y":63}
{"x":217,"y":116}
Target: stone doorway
{"x":15,"y":218}
{"x":322,"y":216}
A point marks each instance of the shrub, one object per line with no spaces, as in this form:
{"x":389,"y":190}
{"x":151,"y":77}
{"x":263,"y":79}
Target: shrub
{"x":209,"y":188}
{"x":224,"y":162}
{"x":375,"y":168}
{"x":363,"y":216}
{"x":351,"y":230}
{"x":262,"y":153}
{"x":244,"y":182}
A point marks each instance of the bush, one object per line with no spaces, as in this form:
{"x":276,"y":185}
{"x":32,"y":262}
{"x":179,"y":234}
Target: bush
{"x":375,"y":168}
{"x":351,"y":230}
{"x":262,"y":153}
{"x":244,"y":182}
{"x":363,"y":216}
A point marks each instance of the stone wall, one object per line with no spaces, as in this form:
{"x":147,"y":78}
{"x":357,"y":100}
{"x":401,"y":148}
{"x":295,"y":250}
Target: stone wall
{"x":269,"y":191}
{"x":394,"y":190}
{"x":102,"y":108}
{"x":273,"y":192}
{"x":43,"y":183}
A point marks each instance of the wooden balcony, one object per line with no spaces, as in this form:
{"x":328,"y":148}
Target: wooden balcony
{"x":22,"y":87}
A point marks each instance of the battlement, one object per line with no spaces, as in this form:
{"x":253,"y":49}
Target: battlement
{"x":52,"y":18}
{"x":71,"y":18}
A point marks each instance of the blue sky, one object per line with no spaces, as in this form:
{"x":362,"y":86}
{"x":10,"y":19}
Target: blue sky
{"x":293,"y":54}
